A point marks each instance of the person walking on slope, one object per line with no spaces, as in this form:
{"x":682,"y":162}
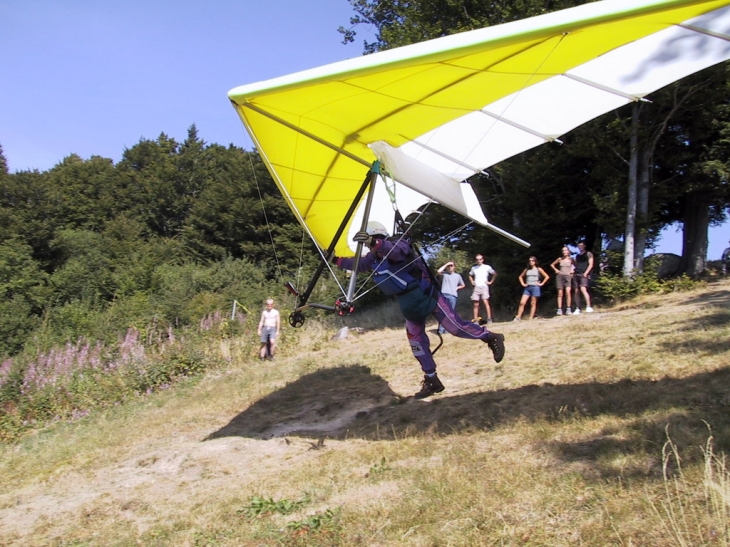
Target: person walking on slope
{"x":451,"y":284}
{"x":532,"y":279}
{"x":399,"y":270}
{"x":268,"y":330}
{"x":479,"y":276}
{"x":582,"y":276}
{"x":564,"y":279}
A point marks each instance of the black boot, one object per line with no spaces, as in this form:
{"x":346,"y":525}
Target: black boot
{"x":496,"y":344}
{"x":429,"y":386}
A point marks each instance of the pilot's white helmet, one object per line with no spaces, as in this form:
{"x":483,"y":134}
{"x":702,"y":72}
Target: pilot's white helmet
{"x":375,"y":228}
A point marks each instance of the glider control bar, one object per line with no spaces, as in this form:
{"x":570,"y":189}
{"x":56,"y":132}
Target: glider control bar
{"x":296,"y":319}
{"x":372,"y":179}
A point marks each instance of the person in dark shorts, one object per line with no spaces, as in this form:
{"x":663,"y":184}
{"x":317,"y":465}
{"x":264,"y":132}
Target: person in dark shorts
{"x":582,"y":277}
{"x":563,"y":266}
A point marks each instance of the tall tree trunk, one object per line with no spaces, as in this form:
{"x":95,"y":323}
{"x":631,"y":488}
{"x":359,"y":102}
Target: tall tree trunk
{"x":642,"y":209}
{"x":640,"y":178}
{"x":631,"y":206}
{"x":694,"y":234}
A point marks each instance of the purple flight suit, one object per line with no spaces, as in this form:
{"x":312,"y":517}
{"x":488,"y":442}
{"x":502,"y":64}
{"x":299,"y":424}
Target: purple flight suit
{"x":397,"y":272}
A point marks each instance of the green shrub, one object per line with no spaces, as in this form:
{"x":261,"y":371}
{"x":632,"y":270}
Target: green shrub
{"x":67,"y":382}
{"x":164,"y":368}
{"x":618,"y":288}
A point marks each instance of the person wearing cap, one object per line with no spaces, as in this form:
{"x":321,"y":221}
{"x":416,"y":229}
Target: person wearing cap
{"x":451,"y":284}
{"x":400,"y":271}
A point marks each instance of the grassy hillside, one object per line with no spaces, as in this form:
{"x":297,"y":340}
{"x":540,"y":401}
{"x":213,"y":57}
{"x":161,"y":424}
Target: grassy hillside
{"x":602,"y":429}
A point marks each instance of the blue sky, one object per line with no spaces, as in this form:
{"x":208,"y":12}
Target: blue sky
{"x":92,"y":77}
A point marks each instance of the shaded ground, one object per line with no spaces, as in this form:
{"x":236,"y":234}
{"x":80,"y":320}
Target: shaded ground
{"x":350,"y":402}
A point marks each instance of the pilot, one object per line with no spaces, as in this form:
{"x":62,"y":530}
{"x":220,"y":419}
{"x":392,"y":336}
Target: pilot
{"x":400,"y":271}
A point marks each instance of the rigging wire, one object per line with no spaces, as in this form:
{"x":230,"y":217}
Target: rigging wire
{"x":391,"y":190}
{"x":519,"y":91}
{"x":266,"y":218}
{"x":302,"y":224}
{"x":301,"y":255}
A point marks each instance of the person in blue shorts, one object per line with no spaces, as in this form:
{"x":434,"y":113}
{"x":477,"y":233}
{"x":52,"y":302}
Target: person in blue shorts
{"x":532,"y":279}
{"x":451,"y":284}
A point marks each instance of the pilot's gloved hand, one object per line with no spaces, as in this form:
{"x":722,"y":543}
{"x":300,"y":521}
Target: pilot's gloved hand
{"x":362,"y":237}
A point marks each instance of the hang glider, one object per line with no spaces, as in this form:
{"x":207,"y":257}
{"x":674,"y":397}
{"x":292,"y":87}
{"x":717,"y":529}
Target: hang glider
{"x":435,"y":113}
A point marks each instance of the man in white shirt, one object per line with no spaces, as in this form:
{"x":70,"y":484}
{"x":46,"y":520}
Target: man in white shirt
{"x":481,"y":276}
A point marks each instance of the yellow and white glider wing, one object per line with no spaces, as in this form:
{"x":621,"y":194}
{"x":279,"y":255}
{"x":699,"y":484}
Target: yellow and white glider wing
{"x":445,"y":109}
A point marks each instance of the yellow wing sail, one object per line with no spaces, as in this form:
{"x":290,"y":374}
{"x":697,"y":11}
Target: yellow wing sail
{"x":437,"y":112}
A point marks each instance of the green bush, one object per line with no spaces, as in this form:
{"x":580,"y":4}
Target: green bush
{"x":166,"y":367}
{"x":617,"y":288}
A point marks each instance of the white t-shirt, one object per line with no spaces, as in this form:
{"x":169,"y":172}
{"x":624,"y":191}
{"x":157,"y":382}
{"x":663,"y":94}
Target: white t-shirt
{"x":480,"y":273}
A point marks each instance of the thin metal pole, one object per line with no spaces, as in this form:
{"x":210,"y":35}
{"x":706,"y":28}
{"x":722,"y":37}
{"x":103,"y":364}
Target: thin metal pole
{"x":365,"y":217}
{"x":303,"y":298}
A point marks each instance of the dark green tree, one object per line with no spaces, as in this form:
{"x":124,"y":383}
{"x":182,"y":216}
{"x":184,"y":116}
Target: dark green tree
{"x":83,"y":192}
{"x":3,"y":163}
{"x":402,"y":22}
{"x":23,"y":292}
{"x":241,"y":214}
{"x":155,"y":186}
{"x":29,"y":212}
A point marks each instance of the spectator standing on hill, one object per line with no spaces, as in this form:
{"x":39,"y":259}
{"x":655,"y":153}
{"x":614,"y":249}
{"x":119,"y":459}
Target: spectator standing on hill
{"x":563,"y":267}
{"x":451,"y":284}
{"x":268,"y":330}
{"x":582,"y":277}
{"x":399,"y":270}
{"x":481,"y":277}
{"x":532,"y":279}
{"x":725,"y":259}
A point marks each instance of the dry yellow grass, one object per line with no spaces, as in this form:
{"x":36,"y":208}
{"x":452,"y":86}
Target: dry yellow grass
{"x":560,"y":444}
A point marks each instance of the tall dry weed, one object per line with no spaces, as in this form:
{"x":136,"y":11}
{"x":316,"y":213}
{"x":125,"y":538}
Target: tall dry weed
{"x":689,"y":515}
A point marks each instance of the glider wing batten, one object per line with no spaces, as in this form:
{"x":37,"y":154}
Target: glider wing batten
{"x":464,"y":102}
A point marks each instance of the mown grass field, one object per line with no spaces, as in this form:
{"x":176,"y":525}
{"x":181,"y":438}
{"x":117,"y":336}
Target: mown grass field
{"x":601,"y":429}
